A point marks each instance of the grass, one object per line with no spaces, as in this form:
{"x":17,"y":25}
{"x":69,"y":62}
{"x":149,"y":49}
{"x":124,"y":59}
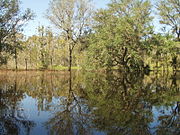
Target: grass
{"x":41,"y":69}
{"x":64,"y":68}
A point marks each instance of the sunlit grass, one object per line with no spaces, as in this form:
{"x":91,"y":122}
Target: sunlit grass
{"x":64,"y":68}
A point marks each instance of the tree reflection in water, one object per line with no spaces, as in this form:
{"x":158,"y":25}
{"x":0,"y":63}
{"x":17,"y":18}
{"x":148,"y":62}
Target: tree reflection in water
{"x":93,"y":103}
{"x":74,"y":116}
{"x":12,"y":119}
{"x":124,"y":103}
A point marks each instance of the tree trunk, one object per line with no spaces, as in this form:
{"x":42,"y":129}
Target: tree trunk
{"x":124,"y":60}
{"x":157,"y":63}
{"x":178,"y":34}
{"x":174,"y":63}
{"x":26,"y":63}
{"x":16,"y":59}
{"x":70,"y":82}
{"x":70,"y":59}
{"x":51,"y":62}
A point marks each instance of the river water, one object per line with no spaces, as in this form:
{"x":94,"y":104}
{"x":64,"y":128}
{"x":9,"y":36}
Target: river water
{"x":52,"y":103}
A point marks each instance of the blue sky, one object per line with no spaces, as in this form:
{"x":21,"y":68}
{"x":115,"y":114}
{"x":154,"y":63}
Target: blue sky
{"x":39,"y":7}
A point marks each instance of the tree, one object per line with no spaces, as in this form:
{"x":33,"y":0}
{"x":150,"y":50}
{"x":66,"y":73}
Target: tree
{"x":11,"y":22}
{"x":120,"y":35}
{"x":169,"y":11}
{"x":50,"y":43}
{"x":73,"y":19}
{"x":162,"y":50}
{"x":17,"y":46}
{"x":32,"y":49}
{"x":44,"y":55}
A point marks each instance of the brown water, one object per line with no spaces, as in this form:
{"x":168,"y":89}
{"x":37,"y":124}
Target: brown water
{"x":46,"y":103}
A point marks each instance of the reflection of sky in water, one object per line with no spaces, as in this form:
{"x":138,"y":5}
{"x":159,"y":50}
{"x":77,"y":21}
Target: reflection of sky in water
{"x":30,"y":109}
{"x":157,"y":112}
{"x":29,"y":106}
{"x":39,"y":117}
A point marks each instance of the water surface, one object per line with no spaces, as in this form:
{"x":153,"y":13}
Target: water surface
{"x":50,"y":103}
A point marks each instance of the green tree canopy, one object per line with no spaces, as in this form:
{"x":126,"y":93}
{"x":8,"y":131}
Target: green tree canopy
{"x":120,"y":34}
{"x":169,"y":11}
{"x":11,"y":21}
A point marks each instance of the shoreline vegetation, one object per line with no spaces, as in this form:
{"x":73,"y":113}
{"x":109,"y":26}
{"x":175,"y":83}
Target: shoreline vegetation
{"x":81,"y":69}
{"x":48,"y":69}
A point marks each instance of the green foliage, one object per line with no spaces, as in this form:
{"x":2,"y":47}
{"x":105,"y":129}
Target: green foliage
{"x":122,"y":103}
{"x":120,"y":35}
{"x":73,"y":19}
{"x":163,"y":50}
{"x":169,"y":11}
{"x":11,"y":22}
{"x":44,"y":54}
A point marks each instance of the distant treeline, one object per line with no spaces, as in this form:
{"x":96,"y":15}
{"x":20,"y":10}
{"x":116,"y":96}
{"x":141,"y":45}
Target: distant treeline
{"x":121,"y":36}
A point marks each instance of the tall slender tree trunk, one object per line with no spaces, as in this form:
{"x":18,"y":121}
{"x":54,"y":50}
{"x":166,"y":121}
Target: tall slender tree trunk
{"x":51,"y":62}
{"x":70,"y":56}
{"x":157,"y":57}
{"x":30,"y":58}
{"x":16,"y":59}
{"x":70,"y":59}
{"x":70,"y":82}
{"x":26,"y":63}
